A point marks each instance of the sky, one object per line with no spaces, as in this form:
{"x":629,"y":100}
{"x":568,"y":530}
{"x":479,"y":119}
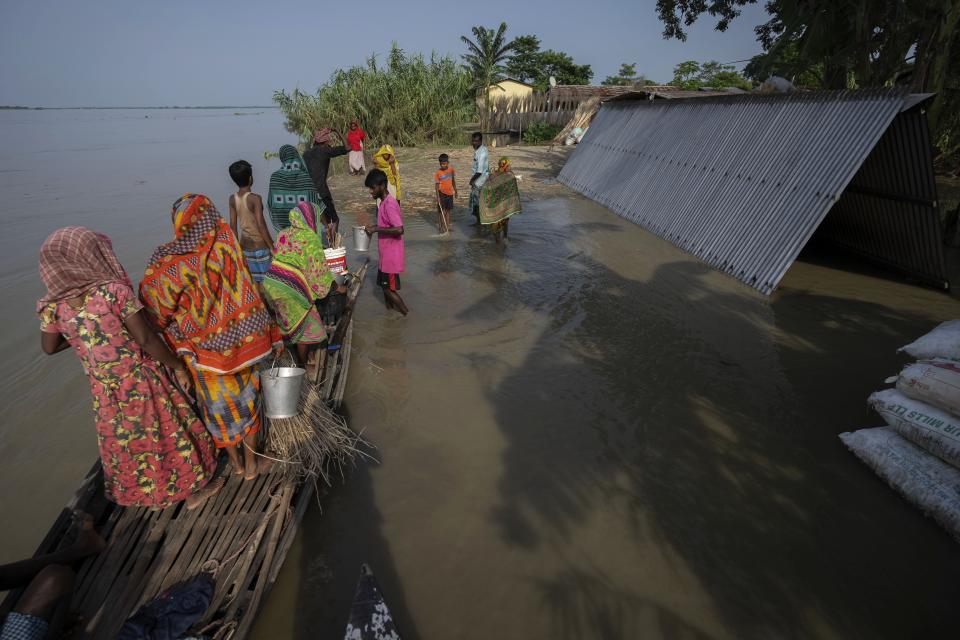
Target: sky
{"x":60,"y":53}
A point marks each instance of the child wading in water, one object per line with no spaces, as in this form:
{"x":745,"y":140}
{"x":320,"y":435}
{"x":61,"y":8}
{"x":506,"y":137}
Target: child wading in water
{"x":389,"y":229}
{"x":246,"y":216}
{"x":445,"y":182}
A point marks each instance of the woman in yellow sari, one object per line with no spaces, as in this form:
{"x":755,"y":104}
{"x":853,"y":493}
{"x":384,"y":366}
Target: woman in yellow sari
{"x":386,"y":160}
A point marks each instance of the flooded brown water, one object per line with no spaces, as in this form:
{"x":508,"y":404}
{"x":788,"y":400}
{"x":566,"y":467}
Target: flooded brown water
{"x":589,"y":434}
{"x":585,"y":434}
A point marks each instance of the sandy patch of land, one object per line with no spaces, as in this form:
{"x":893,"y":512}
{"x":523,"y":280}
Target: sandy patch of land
{"x":536,"y":167}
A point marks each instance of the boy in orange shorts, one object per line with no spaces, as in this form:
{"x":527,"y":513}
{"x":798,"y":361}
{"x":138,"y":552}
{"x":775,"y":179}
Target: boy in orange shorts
{"x":445,"y":181}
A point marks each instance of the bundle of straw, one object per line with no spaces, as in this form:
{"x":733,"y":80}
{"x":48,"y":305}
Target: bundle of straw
{"x":314,"y":444}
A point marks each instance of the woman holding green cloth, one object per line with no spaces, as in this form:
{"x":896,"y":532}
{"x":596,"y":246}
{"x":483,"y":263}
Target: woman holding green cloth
{"x":298,"y":278}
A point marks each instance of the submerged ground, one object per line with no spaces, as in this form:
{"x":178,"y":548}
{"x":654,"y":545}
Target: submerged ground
{"x":584,"y":434}
{"x":588,"y":434}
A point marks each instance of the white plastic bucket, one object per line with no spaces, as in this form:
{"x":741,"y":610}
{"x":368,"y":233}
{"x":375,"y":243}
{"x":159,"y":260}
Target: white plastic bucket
{"x":361,"y":241}
{"x":336,"y":259}
{"x":281,"y":391}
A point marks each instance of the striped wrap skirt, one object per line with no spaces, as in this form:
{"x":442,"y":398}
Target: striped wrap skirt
{"x":258,"y":262}
{"x":229,"y":403}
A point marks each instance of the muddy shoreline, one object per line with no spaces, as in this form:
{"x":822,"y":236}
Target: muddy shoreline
{"x":536,"y":167}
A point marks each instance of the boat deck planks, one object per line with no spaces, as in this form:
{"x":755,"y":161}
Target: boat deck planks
{"x":243,"y":533}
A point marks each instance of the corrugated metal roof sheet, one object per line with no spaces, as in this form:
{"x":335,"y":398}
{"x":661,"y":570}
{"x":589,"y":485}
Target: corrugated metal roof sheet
{"x":584,"y":91}
{"x":670,"y":92}
{"x":914,"y":99}
{"x":743,"y":181}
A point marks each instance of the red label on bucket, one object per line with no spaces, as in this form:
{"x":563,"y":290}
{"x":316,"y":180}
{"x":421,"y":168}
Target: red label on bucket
{"x":336,"y":260}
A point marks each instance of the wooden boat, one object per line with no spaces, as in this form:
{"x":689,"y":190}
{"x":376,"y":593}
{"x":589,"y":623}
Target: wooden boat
{"x":370,"y":617}
{"x":242,"y":535}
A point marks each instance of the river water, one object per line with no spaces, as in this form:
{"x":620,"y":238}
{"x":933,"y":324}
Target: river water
{"x":583,"y":434}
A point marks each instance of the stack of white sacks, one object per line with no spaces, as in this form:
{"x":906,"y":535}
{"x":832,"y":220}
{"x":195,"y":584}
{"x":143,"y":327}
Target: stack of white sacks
{"x":918,"y":453}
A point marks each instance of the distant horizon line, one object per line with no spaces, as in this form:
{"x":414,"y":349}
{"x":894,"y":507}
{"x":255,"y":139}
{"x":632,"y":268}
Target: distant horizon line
{"x":26,"y":108}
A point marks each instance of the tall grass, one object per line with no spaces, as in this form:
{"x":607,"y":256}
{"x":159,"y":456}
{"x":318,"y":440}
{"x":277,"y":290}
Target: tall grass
{"x":410,"y":101}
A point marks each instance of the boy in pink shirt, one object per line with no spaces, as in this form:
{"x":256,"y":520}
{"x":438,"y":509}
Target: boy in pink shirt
{"x":389,"y":230}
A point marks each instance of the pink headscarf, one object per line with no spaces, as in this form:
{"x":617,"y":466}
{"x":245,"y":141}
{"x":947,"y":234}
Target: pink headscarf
{"x":323,"y":135}
{"x":74,"y":260}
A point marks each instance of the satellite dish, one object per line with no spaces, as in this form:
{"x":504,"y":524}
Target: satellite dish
{"x":553,"y":81}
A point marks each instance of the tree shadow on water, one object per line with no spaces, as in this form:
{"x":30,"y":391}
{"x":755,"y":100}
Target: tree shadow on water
{"x":685,"y":409}
{"x":332,"y":558}
{"x":579,"y":600}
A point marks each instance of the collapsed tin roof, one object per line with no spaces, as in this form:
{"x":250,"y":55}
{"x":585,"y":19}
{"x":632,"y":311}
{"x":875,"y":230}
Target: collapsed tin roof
{"x":743,"y":181}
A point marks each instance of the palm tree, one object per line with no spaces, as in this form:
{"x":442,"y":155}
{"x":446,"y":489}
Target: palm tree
{"x":485,"y":56}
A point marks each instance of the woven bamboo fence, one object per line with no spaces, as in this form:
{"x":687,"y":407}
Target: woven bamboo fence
{"x":518,"y":113}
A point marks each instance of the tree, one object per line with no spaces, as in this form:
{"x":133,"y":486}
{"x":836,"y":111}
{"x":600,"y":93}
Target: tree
{"x":524,"y":63}
{"x":786,"y":65}
{"x":562,"y":67}
{"x":529,"y":64}
{"x":852,"y":43}
{"x":485,"y":58}
{"x":692,"y":75}
{"x":686,"y":75}
{"x":677,"y":14}
{"x":624,"y":78}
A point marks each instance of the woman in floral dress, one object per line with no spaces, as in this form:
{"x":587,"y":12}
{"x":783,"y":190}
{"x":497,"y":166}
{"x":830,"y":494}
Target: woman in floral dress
{"x":154,"y":450}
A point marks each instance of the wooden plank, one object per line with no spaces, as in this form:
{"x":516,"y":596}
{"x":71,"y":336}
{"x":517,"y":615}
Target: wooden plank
{"x":254,"y":605}
{"x":177,"y":538}
{"x":213,"y":534}
{"x":127,"y":596}
{"x":253,"y":502}
{"x":119,"y":551}
{"x":228,"y":499}
{"x":337,"y":398}
{"x":336,"y":339}
{"x":333,"y":359}
{"x":91,"y":569}
{"x":244,"y":568}
{"x":136,"y":523}
{"x":233,"y":574}
{"x":301,"y":503}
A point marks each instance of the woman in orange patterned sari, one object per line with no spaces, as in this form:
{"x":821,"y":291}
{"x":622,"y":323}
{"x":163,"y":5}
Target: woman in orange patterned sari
{"x":199,"y":292}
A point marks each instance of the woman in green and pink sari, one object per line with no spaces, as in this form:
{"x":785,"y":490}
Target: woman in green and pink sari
{"x":298,"y":278}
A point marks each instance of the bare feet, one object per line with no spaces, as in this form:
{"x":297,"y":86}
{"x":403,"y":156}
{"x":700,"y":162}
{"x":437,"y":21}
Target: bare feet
{"x":233,"y":455}
{"x":213,"y":488}
{"x":250,"y":470}
{"x":263,"y":465}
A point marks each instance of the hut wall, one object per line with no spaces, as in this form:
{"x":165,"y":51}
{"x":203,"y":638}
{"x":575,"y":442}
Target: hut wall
{"x":889,"y":213}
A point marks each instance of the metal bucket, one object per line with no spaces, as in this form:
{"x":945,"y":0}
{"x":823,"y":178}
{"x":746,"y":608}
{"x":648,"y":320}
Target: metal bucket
{"x":281,"y":390}
{"x":361,"y":241}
